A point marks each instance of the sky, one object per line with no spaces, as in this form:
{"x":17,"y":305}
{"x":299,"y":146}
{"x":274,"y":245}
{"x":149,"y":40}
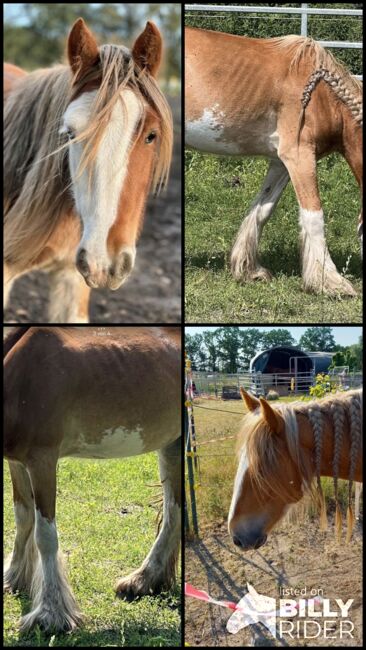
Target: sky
{"x":346,"y":335}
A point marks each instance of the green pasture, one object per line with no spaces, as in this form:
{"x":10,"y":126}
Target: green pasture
{"x":217,"y":424}
{"x":218,"y":193}
{"x":106,"y":526}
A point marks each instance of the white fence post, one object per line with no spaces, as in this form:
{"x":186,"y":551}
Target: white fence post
{"x":304,"y":10}
{"x":304,"y":19}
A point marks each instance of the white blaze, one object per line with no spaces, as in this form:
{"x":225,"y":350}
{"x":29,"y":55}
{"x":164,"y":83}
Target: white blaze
{"x":97,"y":203}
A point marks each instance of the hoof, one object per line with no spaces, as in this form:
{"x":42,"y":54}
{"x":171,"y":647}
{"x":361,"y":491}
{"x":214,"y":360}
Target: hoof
{"x":50,"y":621}
{"x":341,"y":288}
{"x":138,"y":584}
{"x":243,"y":274}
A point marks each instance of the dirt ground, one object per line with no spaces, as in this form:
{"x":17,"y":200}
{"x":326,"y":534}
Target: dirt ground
{"x":296,"y":555}
{"x":153,"y":292}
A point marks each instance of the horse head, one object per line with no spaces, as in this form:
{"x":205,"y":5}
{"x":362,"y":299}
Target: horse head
{"x":268,"y":478}
{"x":120,"y":135}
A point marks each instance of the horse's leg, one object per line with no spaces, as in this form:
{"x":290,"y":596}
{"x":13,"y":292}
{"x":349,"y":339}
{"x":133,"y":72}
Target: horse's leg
{"x":69,"y":296}
{"x":244,"y":263}
{"x":53,"y":604}
{"x":20,"y":567}
{"x":158,"y":570}
{"x":318,"y":269}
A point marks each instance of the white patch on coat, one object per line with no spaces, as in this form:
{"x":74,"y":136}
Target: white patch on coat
{"x":238,"y":484}
{"x":46,"y":537}
{"x":207,"y":133}
{"x":115,"y":442}
{"x":97,"y":202}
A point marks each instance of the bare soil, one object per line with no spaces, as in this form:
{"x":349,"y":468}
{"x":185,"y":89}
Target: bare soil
{"x":297,"y":556}
{"x":153,"y":292}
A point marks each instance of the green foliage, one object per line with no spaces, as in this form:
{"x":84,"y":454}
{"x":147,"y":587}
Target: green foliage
{"x":257,"y":25}
{"x":318,"y":339}
{"x":323,"y":384}
{"x":106,"y":526}
{"x":40,"y":38}
{"x":214,"y":211}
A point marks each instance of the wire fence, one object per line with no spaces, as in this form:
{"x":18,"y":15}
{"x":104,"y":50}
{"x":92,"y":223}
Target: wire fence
{"x":303,"y":12}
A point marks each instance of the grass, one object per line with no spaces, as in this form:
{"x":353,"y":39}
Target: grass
{"x":217,"y":462}
{"x":218,"y":192}
{"x":106,"y":528}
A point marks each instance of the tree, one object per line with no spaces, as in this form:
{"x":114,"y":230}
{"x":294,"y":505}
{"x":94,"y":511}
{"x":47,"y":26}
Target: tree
{"x":195,"y":351}
{"x":277,"y":337}
{"x":251,"y":340}
{"x":229,"y":342}
{"x":210,"y":342}
{"x":357,"y":352}
{"x":317,"y":339}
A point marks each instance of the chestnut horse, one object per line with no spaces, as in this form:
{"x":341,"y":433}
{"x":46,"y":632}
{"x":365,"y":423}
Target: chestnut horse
{"x":83,"y":145}
{"x":286,"y":99}
{"x":81,"y":392}
{"x":282,"y":449}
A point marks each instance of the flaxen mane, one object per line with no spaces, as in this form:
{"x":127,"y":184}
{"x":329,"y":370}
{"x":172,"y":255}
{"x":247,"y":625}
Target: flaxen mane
{"x":266,"y":465}
{"x":345,"y":87}
{"x":37,"y":177}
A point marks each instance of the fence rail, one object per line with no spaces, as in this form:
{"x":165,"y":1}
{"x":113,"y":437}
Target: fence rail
{"x":286,"y":383}
{"x":304,"y":11}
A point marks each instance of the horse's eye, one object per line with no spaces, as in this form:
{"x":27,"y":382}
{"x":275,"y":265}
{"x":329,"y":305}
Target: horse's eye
{"x":150,"y":138}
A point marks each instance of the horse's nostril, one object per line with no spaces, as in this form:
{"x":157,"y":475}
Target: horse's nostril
{"x":81,"y":262}
{"x":236,"y":541}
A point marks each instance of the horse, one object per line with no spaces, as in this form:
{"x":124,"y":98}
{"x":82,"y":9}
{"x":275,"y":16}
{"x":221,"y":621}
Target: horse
{"x":282,"y":449}
{"x":286,"y":99}
{"x":83,"y":145}
{"x":85,"y":393}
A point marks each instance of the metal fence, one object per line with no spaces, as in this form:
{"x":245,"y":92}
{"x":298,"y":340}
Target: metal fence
{"x":304,"y":11}
{"x":285,"y":383}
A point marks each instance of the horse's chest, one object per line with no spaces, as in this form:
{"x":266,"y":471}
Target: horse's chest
{"x":213,"y":132}
{"x":114,"y":442}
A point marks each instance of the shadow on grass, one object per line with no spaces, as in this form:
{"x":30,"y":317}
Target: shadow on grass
{"x":128,"y":632}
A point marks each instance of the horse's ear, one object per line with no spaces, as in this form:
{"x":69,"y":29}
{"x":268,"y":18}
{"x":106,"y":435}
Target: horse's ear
{"x":82,"y":48}
{"x":147,"y":49}
{"x":272,"y":418}
{"x":251,"y":402}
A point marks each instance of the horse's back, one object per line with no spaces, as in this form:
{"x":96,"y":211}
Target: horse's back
{"x":92,"y":392}
{"x":12,"y":74}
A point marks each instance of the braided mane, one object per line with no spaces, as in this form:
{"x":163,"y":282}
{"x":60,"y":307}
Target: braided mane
{"x":262,"y":448}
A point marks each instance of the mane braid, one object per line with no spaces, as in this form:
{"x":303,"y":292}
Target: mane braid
{"x":261,"y":445}
{"x":37,"y":178}
{"x":356,"y":435}
{"x":326,"y":68}
{"x":339,"y":419}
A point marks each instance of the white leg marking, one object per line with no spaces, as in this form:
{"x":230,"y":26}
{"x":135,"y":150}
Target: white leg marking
{"x":53,"y":604}
{"x":66,"y":286}
{"x":244,"y":264}
{"x":319,"y":272}
{"x":20,"y":567}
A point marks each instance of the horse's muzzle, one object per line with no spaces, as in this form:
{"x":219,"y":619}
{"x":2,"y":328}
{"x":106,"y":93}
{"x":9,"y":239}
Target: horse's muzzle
{"x":250,"y":542}
{"x":111,"y":275}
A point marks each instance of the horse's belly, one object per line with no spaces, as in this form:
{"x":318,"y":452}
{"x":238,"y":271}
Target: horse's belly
{"x":207,"y":134}
{"x":213,"y":133}
{"x":115,"y":442}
